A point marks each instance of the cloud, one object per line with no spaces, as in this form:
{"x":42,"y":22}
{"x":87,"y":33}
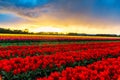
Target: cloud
{"x":64,"y":12}
{"x":28,"y":8}
{"x":35,"y":8}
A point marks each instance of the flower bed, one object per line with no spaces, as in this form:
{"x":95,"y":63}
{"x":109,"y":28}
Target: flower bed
{"x":23,"y":51}
{"x":107,"y":69}
{"x":28,"y":65}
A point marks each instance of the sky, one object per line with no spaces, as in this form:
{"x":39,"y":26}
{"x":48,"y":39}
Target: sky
{"x":81,"y":16}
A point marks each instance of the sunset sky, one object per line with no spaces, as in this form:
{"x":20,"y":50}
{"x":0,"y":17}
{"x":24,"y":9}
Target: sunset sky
{"x":81,"y":16}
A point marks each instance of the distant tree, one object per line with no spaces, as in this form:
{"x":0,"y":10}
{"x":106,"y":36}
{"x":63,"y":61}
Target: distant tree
{"x":73,"y":34}
{"x":3,"y":30}
{"x":26,"y":30}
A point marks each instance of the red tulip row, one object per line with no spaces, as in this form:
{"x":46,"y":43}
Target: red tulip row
{"x":108,"y":69}
{"x":23,"y":51}
{"x":52,"y":38}
{"x":19,"y":65}
{"x":65,"y":56}
{"x":88,"y":45}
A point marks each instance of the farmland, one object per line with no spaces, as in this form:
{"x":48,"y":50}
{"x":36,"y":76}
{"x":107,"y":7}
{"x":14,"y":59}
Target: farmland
{"x":24,"y":39}
{"x":45,"y":57}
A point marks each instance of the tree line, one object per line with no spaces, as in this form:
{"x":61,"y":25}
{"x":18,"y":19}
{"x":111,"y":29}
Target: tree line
{"x":2,"y":30}
{"x":26,"y":31}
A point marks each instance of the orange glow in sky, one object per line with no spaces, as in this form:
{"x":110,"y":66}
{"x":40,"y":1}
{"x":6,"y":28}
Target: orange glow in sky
{"x":80,"y":16}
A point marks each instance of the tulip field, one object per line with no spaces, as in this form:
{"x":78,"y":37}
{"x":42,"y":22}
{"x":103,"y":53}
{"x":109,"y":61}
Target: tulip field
{"x":25,"y":39}
{"x":97,"y":59}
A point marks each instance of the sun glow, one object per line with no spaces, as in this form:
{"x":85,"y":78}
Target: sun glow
{"x":46,"y":29}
